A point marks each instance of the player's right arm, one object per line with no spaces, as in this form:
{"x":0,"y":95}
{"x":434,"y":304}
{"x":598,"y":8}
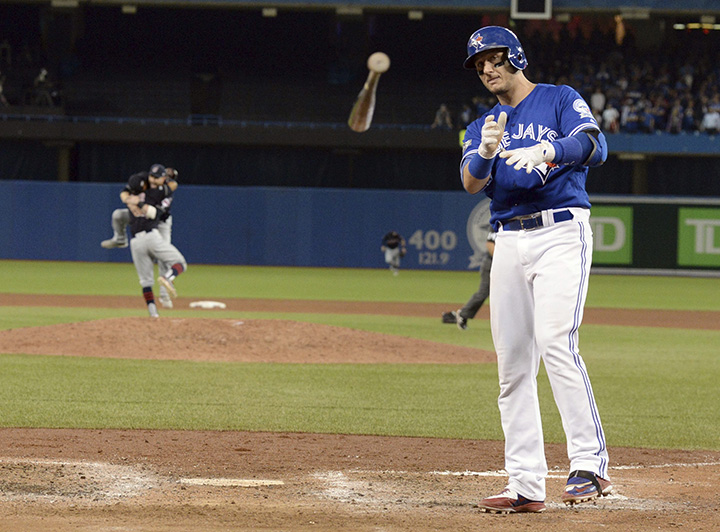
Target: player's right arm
{"x":471,"y":183}
{"x":477,"y":162}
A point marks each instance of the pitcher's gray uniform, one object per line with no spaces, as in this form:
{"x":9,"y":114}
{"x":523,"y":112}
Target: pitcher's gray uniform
{"x":147,"y":245}
{"x":121,"y":220}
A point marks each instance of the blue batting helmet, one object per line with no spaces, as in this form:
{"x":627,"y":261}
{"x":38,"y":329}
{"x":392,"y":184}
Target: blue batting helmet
{"x":493,"y":38}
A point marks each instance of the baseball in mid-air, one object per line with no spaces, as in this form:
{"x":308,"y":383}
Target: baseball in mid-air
{"x":378,"y":62}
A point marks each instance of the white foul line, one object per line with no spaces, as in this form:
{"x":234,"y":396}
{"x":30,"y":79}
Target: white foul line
{"x":231,"y":482}
{"x":503,"y":473}
{"x":659,"y":466}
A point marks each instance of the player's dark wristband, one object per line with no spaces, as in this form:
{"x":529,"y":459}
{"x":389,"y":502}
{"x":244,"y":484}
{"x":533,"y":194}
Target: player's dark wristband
{"x":480,"y":167}
{"x":141,"y":204}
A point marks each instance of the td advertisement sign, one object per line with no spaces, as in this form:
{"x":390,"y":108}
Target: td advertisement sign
{"x":612,"y":228}
{"x":698,"y":237}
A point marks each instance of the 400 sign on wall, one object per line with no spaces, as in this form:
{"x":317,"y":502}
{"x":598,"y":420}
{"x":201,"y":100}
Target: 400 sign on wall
{"x":439,"y":248}
{"x":433,"y":247}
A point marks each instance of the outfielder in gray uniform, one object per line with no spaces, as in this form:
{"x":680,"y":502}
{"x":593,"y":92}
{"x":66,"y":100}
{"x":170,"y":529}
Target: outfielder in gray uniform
{"x":146,"y":206}
{"x":393,"y":246}
{"x":121,"y":220}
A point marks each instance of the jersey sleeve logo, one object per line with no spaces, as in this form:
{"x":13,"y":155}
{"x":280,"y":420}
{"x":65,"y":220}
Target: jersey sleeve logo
{"x":582,"y":108}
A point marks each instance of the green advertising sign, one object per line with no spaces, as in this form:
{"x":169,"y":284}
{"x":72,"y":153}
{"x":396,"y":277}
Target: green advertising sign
{"x":612,"y":234}
{"x":698,"y":237}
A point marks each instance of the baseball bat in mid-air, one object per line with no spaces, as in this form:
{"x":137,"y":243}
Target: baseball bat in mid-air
{"x":362,"y":112}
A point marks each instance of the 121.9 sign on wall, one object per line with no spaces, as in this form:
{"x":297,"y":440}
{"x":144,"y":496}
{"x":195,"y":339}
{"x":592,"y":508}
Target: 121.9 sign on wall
{"x":433,"y":247}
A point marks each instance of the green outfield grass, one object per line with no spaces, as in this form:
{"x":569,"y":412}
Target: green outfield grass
{"x":204,"y":281}
{"x":655,"y":387}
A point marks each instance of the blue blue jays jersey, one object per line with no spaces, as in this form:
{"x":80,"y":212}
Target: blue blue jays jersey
{"x":549,"y":112}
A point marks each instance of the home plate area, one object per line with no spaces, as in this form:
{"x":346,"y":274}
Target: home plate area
{"x":78,"y":482}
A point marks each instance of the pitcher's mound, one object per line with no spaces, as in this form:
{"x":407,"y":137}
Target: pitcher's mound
{"x":231,"y":340}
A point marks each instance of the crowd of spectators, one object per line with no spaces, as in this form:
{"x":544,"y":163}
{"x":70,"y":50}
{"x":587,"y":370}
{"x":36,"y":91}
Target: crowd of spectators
{"x":24,"y":80}
{"x":636,"y":83}
{"x":673,"y":88}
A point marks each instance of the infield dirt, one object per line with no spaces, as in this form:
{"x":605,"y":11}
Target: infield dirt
{"x":97,"y":480}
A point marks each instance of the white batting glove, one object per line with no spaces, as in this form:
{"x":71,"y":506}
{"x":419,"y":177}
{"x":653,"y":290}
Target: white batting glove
{"x":529,"y":158}
{"x":492,"y":134}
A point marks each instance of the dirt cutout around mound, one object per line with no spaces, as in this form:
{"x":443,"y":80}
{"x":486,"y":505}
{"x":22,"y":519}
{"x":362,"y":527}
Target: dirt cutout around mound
{"x":231,"y":341}
{"x":156,"y":481}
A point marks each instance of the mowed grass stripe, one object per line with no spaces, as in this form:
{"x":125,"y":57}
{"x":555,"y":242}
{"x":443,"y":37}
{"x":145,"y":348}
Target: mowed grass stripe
{"x":413,"y":400}
{"x":340,"y":284}
{"x":446,"y":401}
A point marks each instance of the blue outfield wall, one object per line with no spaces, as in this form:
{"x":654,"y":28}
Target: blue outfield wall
{"x":319,"y":227}
{"x":244,"y":225}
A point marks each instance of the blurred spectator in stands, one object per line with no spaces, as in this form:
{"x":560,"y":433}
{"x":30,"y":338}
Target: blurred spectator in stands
{"x":634,"y":90}
{"x":646,"y":123}
{"x":627,"y":104}
{"x":686,"y":72}
{"x":602,"y":74}
{"x":465,"y":117}
{"x":622,"y":83}
{"x":658,"y":110}
{"x":3,"y":100}
{"x":711,"y":117}
{"x":610,"y":119}
{"x":443,"y":120}
{"x":690,"y":122}
{"x":43,"y":87}
{"x":675,"y":118}
{"x":631,"y":118}
{"x":597,"y":103}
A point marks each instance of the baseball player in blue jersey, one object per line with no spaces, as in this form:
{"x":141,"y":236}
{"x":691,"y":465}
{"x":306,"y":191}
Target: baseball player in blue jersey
{"x":530,"y":154}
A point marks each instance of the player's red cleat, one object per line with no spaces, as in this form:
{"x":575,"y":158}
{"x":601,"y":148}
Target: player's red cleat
{"x":509,"y":502}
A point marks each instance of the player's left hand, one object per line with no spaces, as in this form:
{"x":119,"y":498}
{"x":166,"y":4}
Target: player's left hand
{"x":529,"y":158}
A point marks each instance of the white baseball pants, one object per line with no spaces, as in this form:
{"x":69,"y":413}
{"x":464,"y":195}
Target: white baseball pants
{"x":538,"y":286}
